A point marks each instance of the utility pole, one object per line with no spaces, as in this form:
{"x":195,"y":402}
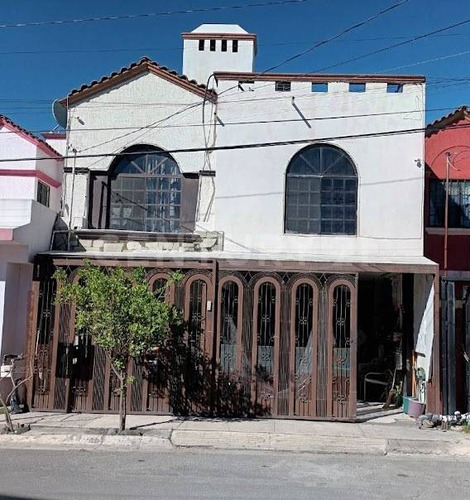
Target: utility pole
{"x":446,"y":214}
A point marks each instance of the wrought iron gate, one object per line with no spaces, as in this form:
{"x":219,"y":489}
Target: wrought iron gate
{"x":265,"y":344}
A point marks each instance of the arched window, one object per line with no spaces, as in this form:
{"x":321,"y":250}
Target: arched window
{"x":321,"y":192}
{"x":145,"y":192}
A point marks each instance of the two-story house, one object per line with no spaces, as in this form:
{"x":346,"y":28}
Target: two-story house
{"x":30,"y":193}
{"x":292,"y":203}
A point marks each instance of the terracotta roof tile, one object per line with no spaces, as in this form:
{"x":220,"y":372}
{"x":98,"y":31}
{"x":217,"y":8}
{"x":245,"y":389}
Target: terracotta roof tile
{"x":445,"y":121}
{"x":144,"y":64}
{"x":4,"y":120}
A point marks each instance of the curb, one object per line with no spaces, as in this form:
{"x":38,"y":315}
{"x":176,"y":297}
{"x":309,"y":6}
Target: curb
{"x":223,"y":440}
{"x":419,"y":447}
{"x":39,"y":439}
{"x":276,"y":442}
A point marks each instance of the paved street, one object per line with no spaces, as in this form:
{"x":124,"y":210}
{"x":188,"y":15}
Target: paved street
{"x":46,"y":474}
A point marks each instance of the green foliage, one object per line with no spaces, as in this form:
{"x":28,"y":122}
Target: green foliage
{"x":119,"y":310}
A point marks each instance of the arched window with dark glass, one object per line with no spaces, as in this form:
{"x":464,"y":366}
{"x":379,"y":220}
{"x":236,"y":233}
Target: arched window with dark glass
{"x":145,"y":192}
{"x":321,"y":192}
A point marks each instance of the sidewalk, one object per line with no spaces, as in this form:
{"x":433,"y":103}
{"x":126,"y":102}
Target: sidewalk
{"x":394,"y":434}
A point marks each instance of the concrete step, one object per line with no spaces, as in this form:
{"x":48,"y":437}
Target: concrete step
{"x":370,"y":411}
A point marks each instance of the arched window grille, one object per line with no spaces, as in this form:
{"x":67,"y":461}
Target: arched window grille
{"x":321,"y":192}
{"x":230,"y":307}
{"x":197,"y":312}
{"x":146,"y":192}
{"x":163,"y":289}
{"x":341,"y":350}
{"x":341,"y":317}
{"x":266,"y":327}
{"x":304,"y":330}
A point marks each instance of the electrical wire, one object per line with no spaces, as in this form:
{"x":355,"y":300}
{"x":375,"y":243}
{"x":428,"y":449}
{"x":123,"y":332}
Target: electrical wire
{"x":154,"y":124}
{"x":258,"y":122}
{"x":276,"y":97}
{"x":152,"y":14}
{"x":246,"y":146}
{"x":426,"y":61}
{"x":35,"y":104}
{"x":330,"y":39}
{"x":396,"y":45}
{"x":339,"y":35}
{"x":324,"y":42}
{"x":180,"y":49}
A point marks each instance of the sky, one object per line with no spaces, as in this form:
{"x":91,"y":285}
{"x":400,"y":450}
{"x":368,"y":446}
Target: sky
{"x":41,"y":63}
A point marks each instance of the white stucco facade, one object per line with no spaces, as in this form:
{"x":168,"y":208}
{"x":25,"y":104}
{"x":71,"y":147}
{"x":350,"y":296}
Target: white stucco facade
{"x":251,"y":182}
{"x":244,"y":199}
{"x":158,"y":113}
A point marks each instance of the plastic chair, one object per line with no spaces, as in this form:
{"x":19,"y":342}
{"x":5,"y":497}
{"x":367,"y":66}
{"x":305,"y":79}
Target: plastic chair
{"x":378,"y":378}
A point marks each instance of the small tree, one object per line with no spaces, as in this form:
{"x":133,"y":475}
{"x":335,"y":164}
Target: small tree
{"x":125,"y":318}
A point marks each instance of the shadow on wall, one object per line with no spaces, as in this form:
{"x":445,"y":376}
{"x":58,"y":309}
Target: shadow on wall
{"x":194,"y":384}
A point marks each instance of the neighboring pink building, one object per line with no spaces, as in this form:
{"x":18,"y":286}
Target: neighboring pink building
{"x":448,"y":155}
{"x":30,"y":194}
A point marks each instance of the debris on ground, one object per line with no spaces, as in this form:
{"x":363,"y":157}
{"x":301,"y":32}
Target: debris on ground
{"x":445,"y":422}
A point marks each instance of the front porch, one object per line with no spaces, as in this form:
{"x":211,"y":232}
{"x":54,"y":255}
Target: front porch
{"x":273,"y":338}
{"x":395,"y":336}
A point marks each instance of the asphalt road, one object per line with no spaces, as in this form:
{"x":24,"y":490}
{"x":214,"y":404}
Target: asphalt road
{"x":69,"y":474}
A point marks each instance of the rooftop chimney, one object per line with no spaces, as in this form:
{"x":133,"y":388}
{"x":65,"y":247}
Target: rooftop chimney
{"x":217,"y":47}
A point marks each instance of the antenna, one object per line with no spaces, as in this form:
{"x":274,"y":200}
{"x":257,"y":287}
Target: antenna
{"x":60,"y":113}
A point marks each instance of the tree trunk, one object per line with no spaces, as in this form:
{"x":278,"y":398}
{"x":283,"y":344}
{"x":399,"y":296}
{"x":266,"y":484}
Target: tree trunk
{"x":8,"y":421}
{"x":122,"y":401}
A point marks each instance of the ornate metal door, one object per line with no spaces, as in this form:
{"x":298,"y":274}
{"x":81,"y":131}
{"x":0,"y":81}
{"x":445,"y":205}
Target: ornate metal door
{"x":198,"y":375}
{"x":265,"y":352}
{"x":303,"y":350}
{"x":151,"y":392}
{"x":41,"y":346}
{"x":342,"y":350}
{"x":232,"y":389}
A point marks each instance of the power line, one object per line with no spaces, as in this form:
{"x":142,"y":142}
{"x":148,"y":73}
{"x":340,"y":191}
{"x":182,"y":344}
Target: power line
{"x":151,"y":14}
{"x":154,"y":124}
{"x":120,"y":104}
{"x":378,"y":51}
{"x":339,"y":35}
{"x":426,"y":61}
{"x":431,"y":80}
{"x":330,"y":39}
{"x":255,"y":122}
{"x":395,"y":45}
{"x":43,"y":108}
{"x":180,"y":49}
{"x":243,"y":146}
{"x":379,"y":93}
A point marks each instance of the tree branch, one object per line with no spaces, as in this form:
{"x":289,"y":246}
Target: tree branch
{"x":8,"y":420}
